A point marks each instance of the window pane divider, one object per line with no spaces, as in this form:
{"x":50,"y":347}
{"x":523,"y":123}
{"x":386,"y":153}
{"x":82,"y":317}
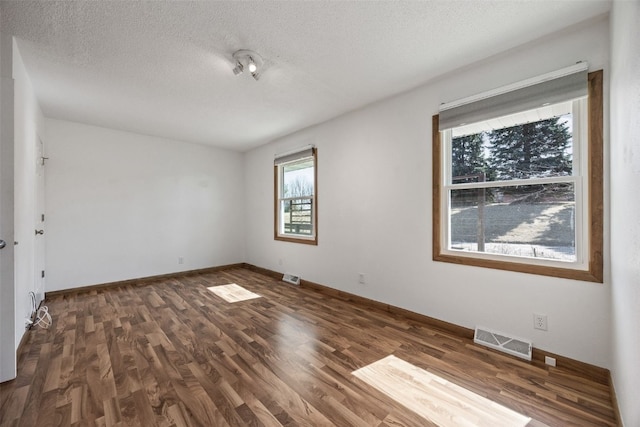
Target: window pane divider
{"x":285,"y":199}
{"x":514,"y":183}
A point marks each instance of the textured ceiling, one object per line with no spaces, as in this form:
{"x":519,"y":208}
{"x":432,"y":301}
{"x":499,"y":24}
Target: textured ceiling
{"x":164,"y":67}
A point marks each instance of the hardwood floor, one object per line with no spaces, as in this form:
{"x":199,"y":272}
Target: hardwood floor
{"x":172,"y":352}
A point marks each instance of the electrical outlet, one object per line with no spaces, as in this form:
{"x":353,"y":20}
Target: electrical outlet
{"x":180,"y":260}
{"x":361,"y":278}
{"x":540,"y":321}
{"x":551,"y":361}
{"x":279,"y":261}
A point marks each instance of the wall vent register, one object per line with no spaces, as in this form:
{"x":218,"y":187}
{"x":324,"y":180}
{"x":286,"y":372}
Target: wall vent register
{"x":291,"y":278}
{"x":502,"y":342}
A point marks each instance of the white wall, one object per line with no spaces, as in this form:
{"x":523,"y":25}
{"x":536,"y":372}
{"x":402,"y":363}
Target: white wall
{"x":7,"y":290}
{"x":21,"y":122}
{"x":28,"y":122}
{"x":122,"y":205}
{"x":625,"y":205}
{"x":374,"y":212}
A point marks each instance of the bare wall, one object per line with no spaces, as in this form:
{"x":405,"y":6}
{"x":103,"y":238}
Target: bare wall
{"x":625,"y":205}
{"x":374,"y":212}
{"x":122,"y":205}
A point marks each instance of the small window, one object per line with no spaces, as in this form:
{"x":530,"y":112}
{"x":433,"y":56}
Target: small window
{"x":518,"y":179}
{"x":296,"y":197}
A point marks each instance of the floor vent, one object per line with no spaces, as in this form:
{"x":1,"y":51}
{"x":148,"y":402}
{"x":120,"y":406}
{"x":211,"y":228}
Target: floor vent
{"x":291,"y":278}
{"x":499,"y":341}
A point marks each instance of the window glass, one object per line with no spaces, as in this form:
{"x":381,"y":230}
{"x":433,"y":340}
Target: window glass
{"x":296,"y":199}
{"x":533,"y":219}
{"x":534,"y":149}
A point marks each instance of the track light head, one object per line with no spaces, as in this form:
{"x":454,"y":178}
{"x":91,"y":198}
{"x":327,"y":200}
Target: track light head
{"x":252,"y":66}
{"x":239,"y":68}
{"x":247,"y":59}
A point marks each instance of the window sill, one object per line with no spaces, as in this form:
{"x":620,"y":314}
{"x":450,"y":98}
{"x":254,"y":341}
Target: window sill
{"x":543,"y":270}
{"x":293,"y":239}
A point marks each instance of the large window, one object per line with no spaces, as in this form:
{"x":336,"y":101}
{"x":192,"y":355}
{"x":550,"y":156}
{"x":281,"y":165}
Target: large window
{"x":518,"y":177}
{"x":296,"y":197}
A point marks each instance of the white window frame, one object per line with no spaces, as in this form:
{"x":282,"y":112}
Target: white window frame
{"x":281,"y":161}
{"x":578,"y":179}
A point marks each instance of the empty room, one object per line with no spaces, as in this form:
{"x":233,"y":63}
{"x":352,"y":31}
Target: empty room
{"x":320,"y":213}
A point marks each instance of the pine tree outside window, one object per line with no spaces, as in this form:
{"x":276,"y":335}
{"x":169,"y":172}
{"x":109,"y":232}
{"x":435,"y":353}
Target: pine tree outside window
{"x":513,"y":184}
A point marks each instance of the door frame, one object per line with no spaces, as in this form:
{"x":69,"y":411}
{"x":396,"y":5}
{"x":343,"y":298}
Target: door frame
{"x":8,"y":356}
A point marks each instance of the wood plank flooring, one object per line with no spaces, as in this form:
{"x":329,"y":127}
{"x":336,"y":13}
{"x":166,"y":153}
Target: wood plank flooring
{"x":435,"y":398}
{"x":233,"y":293}
{"x":172,"y":353}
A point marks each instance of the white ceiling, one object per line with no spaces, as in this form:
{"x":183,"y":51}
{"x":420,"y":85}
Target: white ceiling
{"x":164,"y":67}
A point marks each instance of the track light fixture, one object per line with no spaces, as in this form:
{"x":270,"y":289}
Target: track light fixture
{"x":248,"y":59}
{"x":252,"y":66}
{"x":239,"y":68}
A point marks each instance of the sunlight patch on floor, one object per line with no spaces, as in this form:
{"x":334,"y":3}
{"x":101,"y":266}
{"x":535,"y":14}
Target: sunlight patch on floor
{"x":435,"y":398}
{"x":233,"y":292}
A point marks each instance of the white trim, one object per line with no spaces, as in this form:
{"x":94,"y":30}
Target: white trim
{"x":579,"y":180}
{"x":518,"y":259}
{"x":284,"y":199}
{"x":516,"y":182}
{"x":581,"y":162}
